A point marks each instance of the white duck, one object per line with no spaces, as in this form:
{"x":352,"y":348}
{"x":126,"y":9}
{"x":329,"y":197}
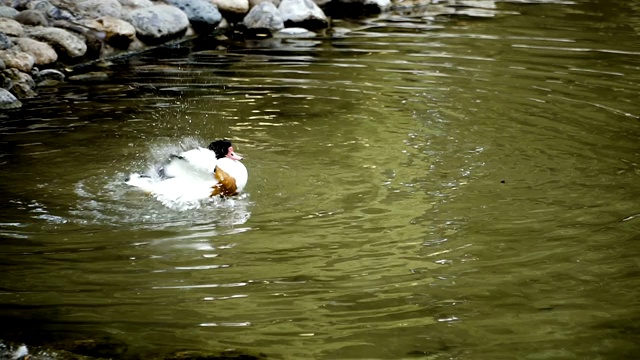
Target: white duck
{"x":196,"y":174}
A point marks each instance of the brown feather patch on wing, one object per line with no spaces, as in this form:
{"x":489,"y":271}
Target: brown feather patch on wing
{"x":226,"y":185}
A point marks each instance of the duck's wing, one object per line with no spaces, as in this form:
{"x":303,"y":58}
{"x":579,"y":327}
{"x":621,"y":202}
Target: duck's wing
{"x":199,"y":163}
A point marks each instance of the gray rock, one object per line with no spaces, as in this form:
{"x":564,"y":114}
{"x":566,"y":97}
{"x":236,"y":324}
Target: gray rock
{"x":11,"y":27}
{"x":32,"y":17}
{"x":264,"y":16}
{"x":42,"y":52}
{"x":203,"y":15}
{"x":2,"y":66}
{"x":8,"y":12}
{"x":92,"y":9}
{"x":8,"y":100}
{"x":156,"y":23}
{"x":5,"y":41}
{"x":302,"y":13}
{"x":62,"y":40}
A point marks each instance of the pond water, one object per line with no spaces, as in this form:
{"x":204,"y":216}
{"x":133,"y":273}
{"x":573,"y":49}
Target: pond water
{"x":420,"y":186}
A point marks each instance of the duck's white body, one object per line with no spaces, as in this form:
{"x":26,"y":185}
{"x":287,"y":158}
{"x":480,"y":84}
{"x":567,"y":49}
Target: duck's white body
{"x":194,"y":175}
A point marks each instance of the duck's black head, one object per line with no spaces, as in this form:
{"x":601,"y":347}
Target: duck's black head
{"x":223,"y":148}
{"x":220,"y":147}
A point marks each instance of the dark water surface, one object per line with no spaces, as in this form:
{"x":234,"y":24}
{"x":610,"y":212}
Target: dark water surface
{"x":421,"y":186}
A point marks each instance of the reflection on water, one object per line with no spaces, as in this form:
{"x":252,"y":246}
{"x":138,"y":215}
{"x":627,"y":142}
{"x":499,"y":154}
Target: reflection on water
{"x":422,"y":186}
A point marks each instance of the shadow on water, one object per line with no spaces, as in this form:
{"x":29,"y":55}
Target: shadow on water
{"x":448,"y":182}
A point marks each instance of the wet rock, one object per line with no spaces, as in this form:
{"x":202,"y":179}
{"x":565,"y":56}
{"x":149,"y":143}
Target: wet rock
{"x":14,"y":59}
{"x":118,"y":33}
{"x":23,"y":91}
{"x":20,"y":77}
{"x":11,"y":27}
{"x":295,"y":32}
{"x":32,"y":18}
{"x":203,"y":15}
{"x":5,"y":42}
{"x":158,"y":23}
{"x":302,"y":13}
{"x":92,"y":9}
{"x":96,"y":76}
{"x":48,"y":77}
{"x":23,"y":84}
{"x":239,"y":7}
{"x":42,"y":52}
{"x":6,"y":82}
{"x":264,"y":17}
{"x":8,"y":12}
{"x":62,"y":40}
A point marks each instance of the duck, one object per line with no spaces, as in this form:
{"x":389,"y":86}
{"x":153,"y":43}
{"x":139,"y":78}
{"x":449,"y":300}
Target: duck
{"x":196,"y":174}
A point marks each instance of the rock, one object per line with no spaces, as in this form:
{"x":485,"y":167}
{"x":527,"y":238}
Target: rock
{"x":8,"y":100}
{"x":203,"y":15}
{"x":264,"y":16}
{"x":135,"y":4}
{"x":92,"y":9}
{"x":96,"y":76}
{"x":6,"y":82}
{"x":60,"y":14}
{"x":32,"y":18}
{"x":42,"y":53}
{"x":92,"y":39}
{"x":302,"y":13}
{"x":295,"y":32}
{"x":8,"y":12}
{"x":20,"y":77}
{"x":2,"y":66}
{"x":5,"y":42}
{"x":49,"y":74}
{"x":158,"y":23}
{"x":118,"y":33}
{"x":17,"y":60}
{"x":11,"y":27}
{"x":254,"y":3}
{"x":63,"y":41}
{"x":23,"y":91}
{"x":232,"y":6}
{"x":49,"y":10}
{"x":22,"y":83}
{"x":41,"y":5}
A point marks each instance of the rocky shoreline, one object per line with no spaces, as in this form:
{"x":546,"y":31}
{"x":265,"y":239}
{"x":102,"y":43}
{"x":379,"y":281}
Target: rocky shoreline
{"x":43,"y":42}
